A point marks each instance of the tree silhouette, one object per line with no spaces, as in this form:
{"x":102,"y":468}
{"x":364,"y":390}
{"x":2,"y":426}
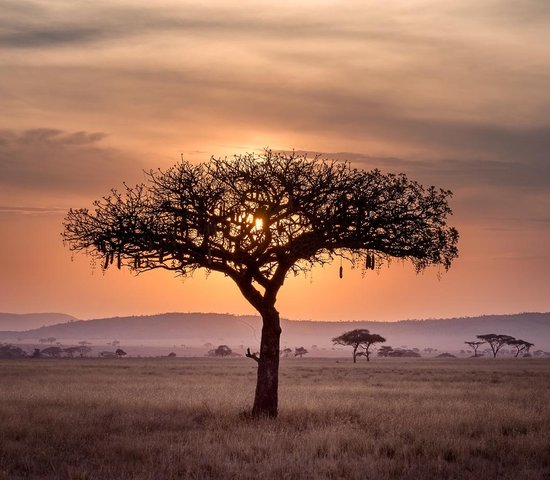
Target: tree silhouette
{"x":359,"y":337}
{"x":520,"y":346}
{"x":70,"y":351}
{"x":220,"y":351}
{"x":353,"y":338}
{"x":53,"y":352}
{"x":258,"y":218}
{"x":475,"y":345}
{"x":11,"y":351}
{"x":368,"y":342}
{"x":120,"y":353}
{"x":300,"y":352}
{"x":286,"y":352}
{"x":495,"y":341}
{"x":385,"y":351}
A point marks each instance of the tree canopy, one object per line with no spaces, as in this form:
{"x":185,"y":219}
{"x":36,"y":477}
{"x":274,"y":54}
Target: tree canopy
{"x":475,"y":345}
{"x":496,"y":341}
{"x":360,"y":337}
{"x":300,"y":352}
{"x":257,"y":218}
{"x":520,"y":345}
{"x":220,"y":351}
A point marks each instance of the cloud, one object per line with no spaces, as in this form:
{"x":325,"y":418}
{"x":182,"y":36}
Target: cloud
{"x":27,"y":24}
{"x":29,"y":210}
{"x":519,"y":171}
{"x":55,"y":161}
{"x":97,"y":23}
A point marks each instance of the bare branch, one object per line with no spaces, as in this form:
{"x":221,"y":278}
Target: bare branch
{"x":254,"y":356}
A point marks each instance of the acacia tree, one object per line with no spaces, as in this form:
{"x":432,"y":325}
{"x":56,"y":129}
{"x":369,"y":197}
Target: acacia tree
{"x":286,"y":352}
{"x":369,"y":341}
{"x":520,"y":346}
{"x":385,"y":351}
{"x":353,"y":339}
{"x":360,"y":337}
{"x":475,"y":345}
{"x":300,"y":352}
{"x":220,"y":351}
{"x":496,"y":341}
{"x":258,"y":218}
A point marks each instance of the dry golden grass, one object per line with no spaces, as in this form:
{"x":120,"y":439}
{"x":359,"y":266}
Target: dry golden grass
{"x":184,"y":418}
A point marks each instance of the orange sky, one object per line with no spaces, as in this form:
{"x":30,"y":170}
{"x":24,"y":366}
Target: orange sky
{"x":452,"y":93}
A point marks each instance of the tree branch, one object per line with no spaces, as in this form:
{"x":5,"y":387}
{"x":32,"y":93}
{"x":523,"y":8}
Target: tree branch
{"x":253,"y":356}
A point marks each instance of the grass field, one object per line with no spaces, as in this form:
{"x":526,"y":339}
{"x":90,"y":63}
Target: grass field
{"x":186,"y":418}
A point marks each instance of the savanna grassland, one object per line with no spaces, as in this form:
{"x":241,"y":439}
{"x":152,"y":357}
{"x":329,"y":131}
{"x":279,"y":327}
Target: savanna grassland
{"x":186,"y":418}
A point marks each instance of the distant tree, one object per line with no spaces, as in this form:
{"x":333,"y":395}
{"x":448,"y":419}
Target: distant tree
{"x":520,"y":346}
{"x":495,"y":341}
{"x":403,"y":352}
{"x":220,"y":351}
{"x":430,"y":350}
{"x":475,"y":345}
{"x":370,"y":340}
{"x":300,"y":352}
{"x":353,"y":339}
{"x":84,"y":343}
{"x":11,"y":351}
{"x":36,"y":353}
{"x":385,"y":351}
{"x":367,"y":341}
{"x":172,"y":354}
{"x":115,"y":343}
{"x":70,"y":351}
{"x":107,"y":354}
{"x":52,"y":352}
{"x":120,"y":353}
{"x":259,"y":218}
{"x":445,"y":355}
{"x":43,"y":340}
{"x":51,"y":339}
{"x":84,"y":350}
{"x":286,"y":352}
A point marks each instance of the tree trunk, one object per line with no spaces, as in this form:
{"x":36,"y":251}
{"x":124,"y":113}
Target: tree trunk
{"x":266,"y":398}
{"x":355,"y":355}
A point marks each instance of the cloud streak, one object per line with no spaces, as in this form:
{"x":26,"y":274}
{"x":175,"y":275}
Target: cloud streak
{"x":51,"y":160}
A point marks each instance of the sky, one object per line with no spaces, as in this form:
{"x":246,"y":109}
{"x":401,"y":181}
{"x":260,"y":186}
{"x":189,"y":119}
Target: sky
{"x":454,"y":94}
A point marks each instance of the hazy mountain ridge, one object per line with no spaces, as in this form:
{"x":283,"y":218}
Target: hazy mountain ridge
{"x":199,"y":328}
{"x":28,"y":321}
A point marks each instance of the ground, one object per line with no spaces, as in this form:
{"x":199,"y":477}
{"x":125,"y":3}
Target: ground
{"x":187,"y":418}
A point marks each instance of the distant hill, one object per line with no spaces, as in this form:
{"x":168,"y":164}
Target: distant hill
{"x":28,"y":321}
{"x":196,"y":329}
